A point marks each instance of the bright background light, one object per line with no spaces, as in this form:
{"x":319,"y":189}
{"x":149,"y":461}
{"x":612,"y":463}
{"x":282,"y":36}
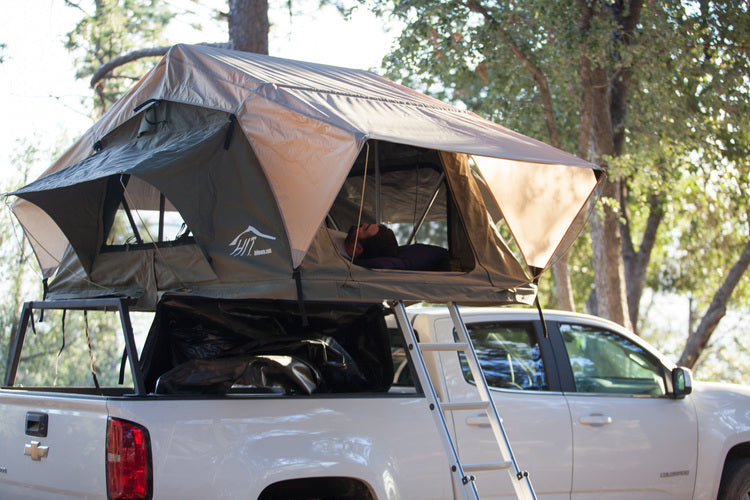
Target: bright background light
{"x":43,"y":104}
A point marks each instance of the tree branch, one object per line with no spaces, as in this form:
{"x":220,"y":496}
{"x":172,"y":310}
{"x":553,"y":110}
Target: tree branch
{"x":698,"y":340}
{"x":538,"y":75}
{"x":69,"y":3}
{"x":106,"y":68}
{"x":118,"y":61}
{"x":636,"y":262}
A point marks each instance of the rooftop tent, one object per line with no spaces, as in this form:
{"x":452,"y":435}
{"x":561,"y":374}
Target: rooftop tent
{"x":226,"y":174}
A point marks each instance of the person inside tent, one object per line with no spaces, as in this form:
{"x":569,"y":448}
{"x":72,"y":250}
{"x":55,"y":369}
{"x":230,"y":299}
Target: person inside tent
{"x":375,"y":246}
{"x":371,"y":240}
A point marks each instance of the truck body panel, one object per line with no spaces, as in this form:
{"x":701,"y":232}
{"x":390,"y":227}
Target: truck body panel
{"x":656,"y":441}
{"x":537,"y":424}
{"x":222,"y":448}
{"x":67,"y":462}
{"x":580,"y":431}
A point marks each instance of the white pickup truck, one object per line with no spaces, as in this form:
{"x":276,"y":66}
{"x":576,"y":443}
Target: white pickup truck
{"x":250,"y":400}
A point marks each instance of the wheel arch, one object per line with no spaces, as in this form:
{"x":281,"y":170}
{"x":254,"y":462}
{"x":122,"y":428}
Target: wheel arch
{"x":740,"y":450}
{"x":737,"y":452}
{"x":324,"y":487}
{"x":735,"y":477}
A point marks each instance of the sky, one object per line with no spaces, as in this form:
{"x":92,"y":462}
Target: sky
{"x":41,"y":101}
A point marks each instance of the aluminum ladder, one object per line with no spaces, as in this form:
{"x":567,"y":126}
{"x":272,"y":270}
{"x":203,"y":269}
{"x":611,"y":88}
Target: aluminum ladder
{"x":461,"y":473}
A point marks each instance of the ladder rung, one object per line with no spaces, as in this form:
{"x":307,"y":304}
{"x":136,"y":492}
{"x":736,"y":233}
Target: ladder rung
{"x":478,"y":405}
{"x":487,"y":466}
{"x":456,"y":346}
{"x":462,"y":474}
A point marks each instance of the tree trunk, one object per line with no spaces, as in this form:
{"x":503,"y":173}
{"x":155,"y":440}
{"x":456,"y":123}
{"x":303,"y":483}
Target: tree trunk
{"x":609,"y":271}
{"x":698,"y":340}
{"x":602,"y":136}
{"x":563,"y":288}
{"x":606,"y":239}
{"x":248,"y":25}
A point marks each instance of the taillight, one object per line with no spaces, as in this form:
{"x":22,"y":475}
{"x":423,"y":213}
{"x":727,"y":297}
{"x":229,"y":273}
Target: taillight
{"x":128,"y":461}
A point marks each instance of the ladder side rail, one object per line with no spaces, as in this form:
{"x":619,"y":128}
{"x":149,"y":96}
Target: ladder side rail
{"x":522,"y":485}
{"x":465,"y":485}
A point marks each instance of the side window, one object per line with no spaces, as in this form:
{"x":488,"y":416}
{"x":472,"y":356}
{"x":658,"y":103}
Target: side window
{"x":508,"y":355}
{"x":403,"y":378}
{"x":606,"y":362}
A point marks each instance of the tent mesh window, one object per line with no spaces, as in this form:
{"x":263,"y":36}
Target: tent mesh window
{"x":404,"y":188}
{"x":137,"y":215}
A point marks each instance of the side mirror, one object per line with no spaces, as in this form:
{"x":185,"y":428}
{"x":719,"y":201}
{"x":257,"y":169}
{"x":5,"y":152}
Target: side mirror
{"x":682,"y":382}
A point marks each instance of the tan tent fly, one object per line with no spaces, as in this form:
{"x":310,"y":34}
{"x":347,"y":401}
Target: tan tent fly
{"x":224,"y":174}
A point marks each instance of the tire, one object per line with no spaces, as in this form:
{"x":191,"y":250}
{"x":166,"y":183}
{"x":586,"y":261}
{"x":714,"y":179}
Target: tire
{"x":735,"y":482}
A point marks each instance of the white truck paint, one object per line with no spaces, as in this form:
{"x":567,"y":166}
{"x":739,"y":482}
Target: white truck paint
{"x":574,"y":444}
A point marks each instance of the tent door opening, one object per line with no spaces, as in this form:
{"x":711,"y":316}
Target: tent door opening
{"x":406,"y":188}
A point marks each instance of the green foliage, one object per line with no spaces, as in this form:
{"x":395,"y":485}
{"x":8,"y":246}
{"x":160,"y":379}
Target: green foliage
{"x":459,"y":56}
{"x":684,"y":132}
{"x":19,"y":276}
{"x":709,"y":192}
{"x":111,"y":28}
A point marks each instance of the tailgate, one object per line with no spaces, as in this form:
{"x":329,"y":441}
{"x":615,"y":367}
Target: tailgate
{"x":67,"y":462}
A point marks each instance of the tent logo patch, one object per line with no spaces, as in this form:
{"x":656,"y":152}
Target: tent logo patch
{"x":244,"y":243}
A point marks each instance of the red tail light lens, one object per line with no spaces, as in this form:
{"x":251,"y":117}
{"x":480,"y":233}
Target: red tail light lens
{"x":128,"y":461}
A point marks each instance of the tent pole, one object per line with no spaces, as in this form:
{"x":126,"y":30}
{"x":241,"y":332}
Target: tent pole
{"x":162,"y":203}
{"x":426,"y":210}
{"x":378,"y":214}
{"x":133,"y":225}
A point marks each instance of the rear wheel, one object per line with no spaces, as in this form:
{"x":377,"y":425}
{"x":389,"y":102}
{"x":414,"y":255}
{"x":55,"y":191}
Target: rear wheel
{"x":735,"y":482}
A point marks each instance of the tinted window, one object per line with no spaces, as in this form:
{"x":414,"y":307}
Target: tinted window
{"x":606,"y":362}
{"x":509,"y":356}
{"x":403,"y":377}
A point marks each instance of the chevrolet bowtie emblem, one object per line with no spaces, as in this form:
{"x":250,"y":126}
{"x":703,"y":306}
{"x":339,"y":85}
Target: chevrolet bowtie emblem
{"x":35,"y":451}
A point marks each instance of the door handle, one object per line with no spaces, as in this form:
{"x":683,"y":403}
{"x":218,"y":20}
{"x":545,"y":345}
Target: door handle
{"x":478,"y":421}
{"x":36,"y":424}
{"x":596,"y":420}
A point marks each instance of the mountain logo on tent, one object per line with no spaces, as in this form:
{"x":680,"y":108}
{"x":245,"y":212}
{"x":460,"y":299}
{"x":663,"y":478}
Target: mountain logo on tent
{"x":244,"y":243}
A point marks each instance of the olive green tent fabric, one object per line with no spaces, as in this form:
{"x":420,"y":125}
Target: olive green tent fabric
{"x":251,"y":152}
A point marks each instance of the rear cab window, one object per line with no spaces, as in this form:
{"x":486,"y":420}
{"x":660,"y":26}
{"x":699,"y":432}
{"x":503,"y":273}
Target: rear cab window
{"x":509,"y":355}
